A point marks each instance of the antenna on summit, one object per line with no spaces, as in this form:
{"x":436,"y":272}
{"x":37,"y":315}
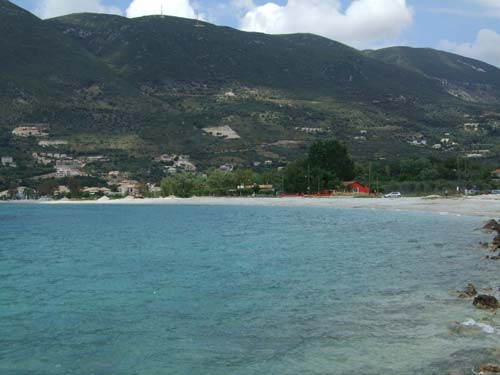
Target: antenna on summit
{"x":198,"y":23}
{"x":161,"y":12}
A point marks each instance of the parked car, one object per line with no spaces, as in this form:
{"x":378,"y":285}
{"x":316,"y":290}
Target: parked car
{"x":472,"y":191}
{"x":394,"y":194}
{"x":495,"y":192}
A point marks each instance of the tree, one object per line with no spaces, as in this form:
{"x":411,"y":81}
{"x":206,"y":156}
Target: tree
{"x":29,"y":193}
{"x":273,"y":177}
{"x":47,"y":187}
{"x":322,"y":179}
{"x":169,"y":186}
{"x":74,"y":188}
{"x":333,"y":157}
{"x":184,"y":185}
{"x":220,"y":182}
{"x":295,"y":178}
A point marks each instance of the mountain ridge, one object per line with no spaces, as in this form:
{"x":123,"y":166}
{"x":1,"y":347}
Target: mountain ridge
{"x":135,"y":88}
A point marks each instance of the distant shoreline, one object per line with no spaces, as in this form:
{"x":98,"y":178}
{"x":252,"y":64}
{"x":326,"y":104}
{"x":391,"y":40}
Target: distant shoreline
{"x":481,"y":206}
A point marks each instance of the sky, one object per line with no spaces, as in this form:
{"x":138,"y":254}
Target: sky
{"x":467,"y":27}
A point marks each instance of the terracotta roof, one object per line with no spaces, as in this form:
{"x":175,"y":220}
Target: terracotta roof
{"x":349,"y":183}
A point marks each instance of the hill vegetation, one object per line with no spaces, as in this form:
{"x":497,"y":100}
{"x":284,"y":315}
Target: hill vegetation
{"x":133,"y":89}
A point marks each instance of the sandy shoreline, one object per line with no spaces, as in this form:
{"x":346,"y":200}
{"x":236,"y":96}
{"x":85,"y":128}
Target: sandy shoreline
{"x":483,"y":206}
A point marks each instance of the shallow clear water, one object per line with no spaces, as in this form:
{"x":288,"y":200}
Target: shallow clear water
{"x":149,"y":290}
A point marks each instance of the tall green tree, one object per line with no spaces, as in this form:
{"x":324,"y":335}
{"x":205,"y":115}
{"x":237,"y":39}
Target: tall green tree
{"x":333,"y":157}
{"x":47,"y":187}
{"x":295,"y":177}
{"x":75,"y":189}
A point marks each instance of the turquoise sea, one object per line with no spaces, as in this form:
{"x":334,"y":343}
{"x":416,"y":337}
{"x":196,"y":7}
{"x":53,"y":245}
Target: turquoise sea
{"x":154,"y":290}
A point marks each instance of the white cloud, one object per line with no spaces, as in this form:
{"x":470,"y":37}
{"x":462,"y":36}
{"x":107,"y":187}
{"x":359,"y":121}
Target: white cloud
{"x":55,"y":8}
{"x":362,"y":24}
{"x":486,"y":47}
{"x":178,"y":8}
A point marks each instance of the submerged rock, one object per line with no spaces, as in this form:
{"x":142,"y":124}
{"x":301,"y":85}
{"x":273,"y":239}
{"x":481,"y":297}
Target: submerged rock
{"x":497,"y":257}
{"x":486,"y":302}
{"x":496,"y":244}
{"x":492,"y":225}
{"x":469,"y":292}
{"x":489,"y":369}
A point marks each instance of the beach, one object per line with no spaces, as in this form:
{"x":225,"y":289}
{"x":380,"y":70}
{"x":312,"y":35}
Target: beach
{"x":483,"y":206}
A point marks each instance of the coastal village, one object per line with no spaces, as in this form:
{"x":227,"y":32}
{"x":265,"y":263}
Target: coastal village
{"x":56,"y":155}
{"x":119,"y":183}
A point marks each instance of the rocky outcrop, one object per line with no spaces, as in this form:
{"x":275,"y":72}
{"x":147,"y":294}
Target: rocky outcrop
{"x":495,"y":257}
{"x":496,"y":241}
{"x":492,"y":225}
{"x":489,"y":369}
{"x":486,"y":302}
{"x":469,"y":292}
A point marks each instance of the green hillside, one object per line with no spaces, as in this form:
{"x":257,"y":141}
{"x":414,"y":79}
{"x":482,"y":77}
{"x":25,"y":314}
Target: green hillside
{"x":37,"y":60}
{"x":161,"y":50}
{"x":131,"y":89}
{"x":474,"y":80}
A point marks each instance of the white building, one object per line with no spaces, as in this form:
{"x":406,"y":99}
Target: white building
{"x":97,"y":190}
{"x":129,"y":187}
{"x":165,"y":158}
{"x":227,"y":167}
{"x":184,"y":163}
{"x":53,"y":143}
{"x":8,"y":161}
{"x":171,"y":170}
{"x":472,"y":126}
{"x":62,"y":190}
{"x":67,"y":171}
{"x":28,"y":131}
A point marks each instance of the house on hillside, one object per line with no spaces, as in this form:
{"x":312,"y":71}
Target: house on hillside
{"x":28,"y":131}
{"x":61,"y":191}
{"x":129,"y":188}
{"x":69,"y":168}
{"x":355,"y":187}
{"x":8,"y":161}
{"x":495,"y":174}
{"x":93,"y":191}
{"x":226,"y":167}
{"x":472,"y":126}
{"x":67,"y":171}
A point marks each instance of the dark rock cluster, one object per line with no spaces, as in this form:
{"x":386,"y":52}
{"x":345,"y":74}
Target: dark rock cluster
{"x":484,"y":301}
{"x":489,"y":369}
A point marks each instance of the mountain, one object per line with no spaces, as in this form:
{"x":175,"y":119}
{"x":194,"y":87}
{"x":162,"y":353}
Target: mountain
{"x":466,"y":78}
{"x":38,"y":60}
{"x":160,"y":50}
{"x":131,"y":89}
